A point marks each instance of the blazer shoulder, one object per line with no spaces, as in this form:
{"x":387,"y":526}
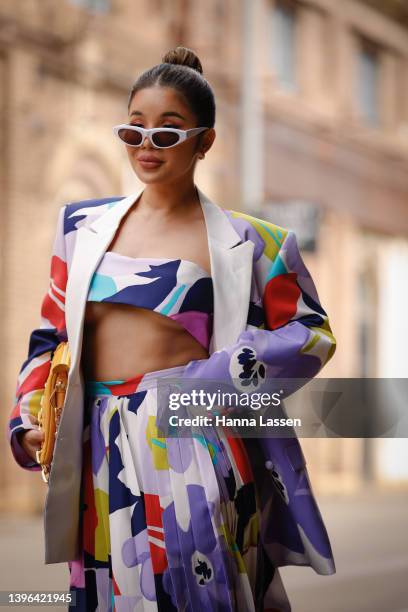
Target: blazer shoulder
{"x":92,"y":204}
{"x":266,"y":233}
{"x":84,"y":211}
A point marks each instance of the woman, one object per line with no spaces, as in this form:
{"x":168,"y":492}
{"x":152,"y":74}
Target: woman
{"x":164,"y":283}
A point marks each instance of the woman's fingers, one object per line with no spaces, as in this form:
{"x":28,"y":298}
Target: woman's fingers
{"x":31,"y":441}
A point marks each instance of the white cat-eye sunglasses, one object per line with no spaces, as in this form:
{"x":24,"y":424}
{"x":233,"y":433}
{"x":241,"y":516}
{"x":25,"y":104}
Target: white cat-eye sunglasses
{"x":161,"y":138}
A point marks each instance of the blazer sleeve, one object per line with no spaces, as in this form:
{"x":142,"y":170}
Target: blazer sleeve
{"x":42,"y":342}
{"x":294,"y":342}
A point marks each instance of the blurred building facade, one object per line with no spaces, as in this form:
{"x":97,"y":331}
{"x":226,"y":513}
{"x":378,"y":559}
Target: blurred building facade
{"x":312,"y":133}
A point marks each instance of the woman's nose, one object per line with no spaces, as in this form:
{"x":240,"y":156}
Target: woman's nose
{"x":149,"y":144}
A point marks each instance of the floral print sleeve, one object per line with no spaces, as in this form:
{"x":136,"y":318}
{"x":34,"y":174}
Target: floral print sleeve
{"x":43,"y":340}
{"x":296,"y":339}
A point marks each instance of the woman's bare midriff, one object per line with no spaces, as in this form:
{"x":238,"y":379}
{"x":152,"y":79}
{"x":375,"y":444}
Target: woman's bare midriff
{"x":121,"y":341}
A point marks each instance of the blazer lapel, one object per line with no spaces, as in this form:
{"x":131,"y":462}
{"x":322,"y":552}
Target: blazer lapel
{"x":231,"y":271}
{"x":90,"y":246}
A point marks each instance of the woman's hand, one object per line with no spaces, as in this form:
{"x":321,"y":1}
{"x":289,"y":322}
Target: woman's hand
{"x":31,"y":439}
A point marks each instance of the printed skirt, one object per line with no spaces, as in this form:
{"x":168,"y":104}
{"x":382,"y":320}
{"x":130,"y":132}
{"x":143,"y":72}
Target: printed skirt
{"x":167,"y":524}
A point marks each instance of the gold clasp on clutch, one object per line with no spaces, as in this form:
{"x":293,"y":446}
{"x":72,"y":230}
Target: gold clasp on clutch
{"x":45,"y":473}
{"x":45,"y":470}
{"x":60,"y":386}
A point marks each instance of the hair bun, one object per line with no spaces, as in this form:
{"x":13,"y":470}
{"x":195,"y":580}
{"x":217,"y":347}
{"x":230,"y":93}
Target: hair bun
{"x":184,"y":57}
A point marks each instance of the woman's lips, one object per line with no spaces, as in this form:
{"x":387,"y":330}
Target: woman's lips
{"x":149,"y":164}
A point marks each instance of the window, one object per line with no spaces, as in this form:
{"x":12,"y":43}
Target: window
{"x":283,"y":43}
{"x":101,"y":6}
{"x":367,"y":82}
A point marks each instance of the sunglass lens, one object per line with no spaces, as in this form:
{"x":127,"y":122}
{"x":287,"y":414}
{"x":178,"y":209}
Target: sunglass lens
{"x":130,"y":137}
{"x":165,"y":139}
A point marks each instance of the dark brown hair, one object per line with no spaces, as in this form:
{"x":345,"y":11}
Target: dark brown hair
{"x":182,"y":70}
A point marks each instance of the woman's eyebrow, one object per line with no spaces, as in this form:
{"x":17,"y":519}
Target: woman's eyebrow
{"x":166,"y":114}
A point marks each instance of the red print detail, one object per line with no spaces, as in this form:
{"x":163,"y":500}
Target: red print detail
{"x":130,"y":385}
{"x":116,"y":590}
{"x":36,"y":379}
{"x":50,"y":309}
{"x":280,"y":300}
{"x":154,"y":519}
{"x":59,"y":274}
{"x":241,"y":459}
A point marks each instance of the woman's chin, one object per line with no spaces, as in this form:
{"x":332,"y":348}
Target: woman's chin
{"x":150,"y":177}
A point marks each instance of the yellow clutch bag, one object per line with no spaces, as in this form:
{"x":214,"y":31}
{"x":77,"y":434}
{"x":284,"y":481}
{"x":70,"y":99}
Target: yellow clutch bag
{"x":52,"y":403}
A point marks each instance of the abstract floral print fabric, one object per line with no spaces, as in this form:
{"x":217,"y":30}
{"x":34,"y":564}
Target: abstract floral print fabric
{"x":167,"y":523}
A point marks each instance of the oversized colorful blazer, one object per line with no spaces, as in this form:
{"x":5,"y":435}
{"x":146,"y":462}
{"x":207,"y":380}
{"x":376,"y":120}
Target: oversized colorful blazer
{"x":267,"y":314}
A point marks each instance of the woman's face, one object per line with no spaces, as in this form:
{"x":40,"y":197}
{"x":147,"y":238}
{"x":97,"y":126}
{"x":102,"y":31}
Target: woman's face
{"x":164,"y":107}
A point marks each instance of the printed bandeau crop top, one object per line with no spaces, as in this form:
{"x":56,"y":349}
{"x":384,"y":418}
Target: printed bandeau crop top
{"x":177,"y":288}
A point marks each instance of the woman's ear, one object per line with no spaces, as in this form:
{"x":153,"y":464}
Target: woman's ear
{"x":208,"y":139}
{"x":205,"y":143}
